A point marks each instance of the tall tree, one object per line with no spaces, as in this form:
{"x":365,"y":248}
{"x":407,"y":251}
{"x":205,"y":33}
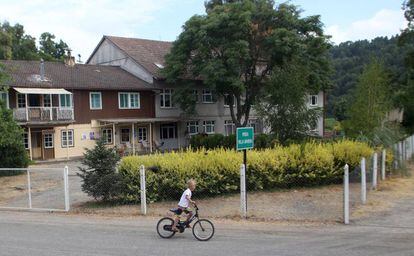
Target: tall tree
{"x":284,"y":106}
{"x":371,"y":101}
{"x":23,"y":46}
{"x":235,"y":47}
{"x":51,"y":50}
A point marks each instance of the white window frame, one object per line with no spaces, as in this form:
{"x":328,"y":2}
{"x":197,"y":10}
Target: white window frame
{"x":7,"y":97}
{"x":253,"y":123}
{"x":168,"y":126}
{"x":232,"y":125}
{"x":26,"y":140}
{"x":207,"y":92}
{"x":211,"y":124}
{"x":17,"y":100}
{"x":129,"y":134}
{"x":163,"y":96}
{"x":142,"y":132}
{"x":234,"y":101}
{"x":65,"y":138}
{"x":70,"y":101}
{"x":311,"y":97}
{"x":51,"y":141}
{"x":91,"y":101}
{"x":107,"y":139}
{"x":129,"y":94}
{"x":193,"y":124}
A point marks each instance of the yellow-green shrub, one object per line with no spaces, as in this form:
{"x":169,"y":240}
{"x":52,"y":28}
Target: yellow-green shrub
{"x":217,"y":171}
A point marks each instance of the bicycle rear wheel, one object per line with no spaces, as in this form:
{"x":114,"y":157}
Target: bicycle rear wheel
{"x":203,"y":230}
{"x":164,"y":227}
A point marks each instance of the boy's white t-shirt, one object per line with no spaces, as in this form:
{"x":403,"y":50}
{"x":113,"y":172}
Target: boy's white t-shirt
{"x":184,"y":202}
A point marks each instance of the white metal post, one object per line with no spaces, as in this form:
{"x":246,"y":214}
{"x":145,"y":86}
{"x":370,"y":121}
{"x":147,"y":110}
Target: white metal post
{"x":346,"y":194}
{"x":400,"y":154}
{"x":133,"y":139}
{"x":143,"y":190}
{"x":243,"y":205}
{"x":363,"y":182}
{"x":375,"y":171}
{"x":29,"y":189}
{"x":66,"y":187}
{"x":383,"y":159}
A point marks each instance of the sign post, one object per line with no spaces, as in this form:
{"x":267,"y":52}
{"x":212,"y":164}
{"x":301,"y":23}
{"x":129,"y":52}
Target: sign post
{"x":245,"y":141}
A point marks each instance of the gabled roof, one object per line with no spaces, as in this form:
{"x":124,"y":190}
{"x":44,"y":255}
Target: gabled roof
{"x":147,"y":53}
{"x":83,"y":77}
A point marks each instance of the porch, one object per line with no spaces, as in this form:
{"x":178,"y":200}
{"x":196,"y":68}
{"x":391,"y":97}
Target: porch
{"x":38,"y":105}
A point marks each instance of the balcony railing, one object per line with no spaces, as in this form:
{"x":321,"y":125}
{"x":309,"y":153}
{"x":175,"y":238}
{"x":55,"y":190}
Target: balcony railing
{"x":43,"y":114}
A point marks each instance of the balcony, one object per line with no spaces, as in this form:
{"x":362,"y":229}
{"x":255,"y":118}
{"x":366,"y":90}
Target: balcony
{"x":43,"y":114}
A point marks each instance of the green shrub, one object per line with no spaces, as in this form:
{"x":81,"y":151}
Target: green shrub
{"x":217,"y":171}
{"x":100,"y":179}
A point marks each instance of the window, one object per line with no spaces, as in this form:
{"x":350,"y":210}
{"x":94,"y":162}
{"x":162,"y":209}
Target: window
{"x":21,"y":100}
{"x":195,"y":95}
{"x":26,"y":140}
{"x":107,"y":135}
{"x":168,"y":131}
{"x":229,"y":127}
{"x":125,"y":135}
{"x":209,"y":126}
{"x":65,"y":100}
{"x":207,"y":96}
{"x":142,"y":133}
{"x":192,"y":127}
{"x":47,"y":100}
{"x":48,"y":140}
{"x":227,"y":100}
{"x":129,"y":100}
{"x":313,"y":100}
{"x":253,"y":123}
{"x":4,"y":96}
{"x":166,"y":98}
{"x":67,"y":138}
{"x":95,"y":100}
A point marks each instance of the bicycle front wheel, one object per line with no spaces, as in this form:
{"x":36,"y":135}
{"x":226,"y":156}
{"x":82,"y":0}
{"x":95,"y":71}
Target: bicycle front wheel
{"x":203,"y":230}
{"x":164,"y":227}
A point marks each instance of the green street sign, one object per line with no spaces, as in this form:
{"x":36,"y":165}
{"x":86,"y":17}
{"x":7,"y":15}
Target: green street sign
{"x":245,"y":138}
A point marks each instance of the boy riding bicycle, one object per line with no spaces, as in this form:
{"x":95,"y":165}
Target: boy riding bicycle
{"x":184,"y":204}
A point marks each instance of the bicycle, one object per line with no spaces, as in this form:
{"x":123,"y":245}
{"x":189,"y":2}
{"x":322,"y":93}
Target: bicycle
{"x":203,"y":229}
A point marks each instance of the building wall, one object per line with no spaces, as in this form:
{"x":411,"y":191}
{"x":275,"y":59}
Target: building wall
{"x":110,"y":54}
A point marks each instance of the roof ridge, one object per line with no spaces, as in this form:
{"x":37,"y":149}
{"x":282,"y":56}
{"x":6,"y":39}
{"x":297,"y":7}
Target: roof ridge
{"x":136,"y":38}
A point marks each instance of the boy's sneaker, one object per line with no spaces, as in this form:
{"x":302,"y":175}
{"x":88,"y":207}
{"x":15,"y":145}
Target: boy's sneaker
{"x":187,"y":225}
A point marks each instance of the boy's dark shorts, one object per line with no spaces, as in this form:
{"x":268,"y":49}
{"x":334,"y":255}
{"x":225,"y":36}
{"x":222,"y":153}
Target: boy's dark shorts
{"x":180,"y":211}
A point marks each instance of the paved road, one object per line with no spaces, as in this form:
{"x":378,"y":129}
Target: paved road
{"x":47,"y":234}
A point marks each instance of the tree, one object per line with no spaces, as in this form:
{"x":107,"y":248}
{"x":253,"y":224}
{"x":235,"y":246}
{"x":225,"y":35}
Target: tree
{"x":12,"y":151}
{"x":100,"y":179}
{"x":49,"y":49}
{"x":23,"y":47}
{"x":371,"y":101}
{"x":235,"y":47}
{"x":284,"y":107}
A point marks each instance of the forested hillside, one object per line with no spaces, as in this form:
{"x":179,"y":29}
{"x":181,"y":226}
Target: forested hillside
{"x":348,"y":60}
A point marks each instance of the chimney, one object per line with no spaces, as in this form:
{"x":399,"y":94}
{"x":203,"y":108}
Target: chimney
{"x":70,"y":60}
{"x":42,"y":70}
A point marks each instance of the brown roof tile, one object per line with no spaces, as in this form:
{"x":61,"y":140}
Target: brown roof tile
{"x":146,"y":52}
{"x":58,"y":75}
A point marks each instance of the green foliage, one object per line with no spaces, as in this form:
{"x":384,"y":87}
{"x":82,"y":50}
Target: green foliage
{"x":371,"y":101}
{"x":237,"y":45}
{"x":51,"y":50}
{"x":12,"y":151}
{"x":100,"y":178}
{"x":284,"y":108}
{"x":217,"y":171}
{"x":212,"y":141}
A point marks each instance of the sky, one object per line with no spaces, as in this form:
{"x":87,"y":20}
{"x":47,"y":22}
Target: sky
{"x":82,"y":23}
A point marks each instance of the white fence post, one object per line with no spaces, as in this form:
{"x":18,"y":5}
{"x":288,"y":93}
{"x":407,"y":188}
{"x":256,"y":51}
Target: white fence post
{"x":375,"y":171}
{"x":383,"y":160}
{"x":243,"y":205}
{"x":29,"y":189}
{"x":363,"y":182}
{"x":400,"y":154}
{"x":66,"y":187}
{"x":143,"y":191}
{"x":346,"y":194}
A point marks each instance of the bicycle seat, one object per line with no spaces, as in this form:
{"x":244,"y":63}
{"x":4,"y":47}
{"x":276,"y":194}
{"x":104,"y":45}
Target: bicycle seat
{"x":176,"y":210}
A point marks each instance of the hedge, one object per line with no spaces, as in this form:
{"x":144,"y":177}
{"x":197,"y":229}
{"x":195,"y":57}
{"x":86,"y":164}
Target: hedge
{"x":217,"y":171}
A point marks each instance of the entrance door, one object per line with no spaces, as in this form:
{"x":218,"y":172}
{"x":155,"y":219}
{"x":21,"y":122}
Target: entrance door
{"x":48,"y":145}
{"x":36,"y":138}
